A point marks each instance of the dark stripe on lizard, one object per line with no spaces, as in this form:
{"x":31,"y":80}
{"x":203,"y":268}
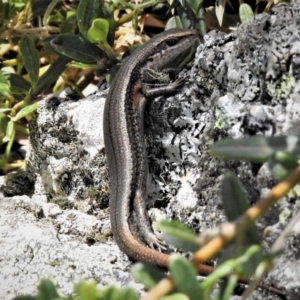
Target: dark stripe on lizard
{"x":125,"y":145}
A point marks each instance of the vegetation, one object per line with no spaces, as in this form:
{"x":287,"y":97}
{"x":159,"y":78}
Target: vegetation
{"x":48,"y":45}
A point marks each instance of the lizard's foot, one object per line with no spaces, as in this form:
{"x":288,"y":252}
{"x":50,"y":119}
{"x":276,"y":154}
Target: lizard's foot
{"x":154,"y":242}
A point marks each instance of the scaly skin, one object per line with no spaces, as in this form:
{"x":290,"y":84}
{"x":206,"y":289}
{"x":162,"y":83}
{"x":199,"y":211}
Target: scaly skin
{"x":125,"y":146}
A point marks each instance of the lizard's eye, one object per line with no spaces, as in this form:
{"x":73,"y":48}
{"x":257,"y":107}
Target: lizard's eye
{"x":171,"y":42}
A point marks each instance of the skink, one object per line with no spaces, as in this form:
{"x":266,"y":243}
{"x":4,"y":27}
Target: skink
{"x":125,"y":145}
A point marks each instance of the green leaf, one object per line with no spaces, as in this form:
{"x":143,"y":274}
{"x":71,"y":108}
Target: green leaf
{"x":192,"y":15}
{"x":87,"y":11}
{"x":234,"y":200}
{"x":47,"y":290}
{"x":112,"y":293}
{"x":282,"y":164}
{"x":81,"y":65}
{"x":87,"y":291}
{"x":227,"y":267}
{"x":52,"y":74}
{"x":184,"y":276}
{"x":174,"y":22}
{"x":194,"y":5}
{"x":69,"y":25}
{"x":175,"y":296}
{"x":76,"y":47}
{"x":4,"y":110}
{"x":256,"y":148}
{"x":10,"y":137}
{"x":227,"y":287}
{"x":4,"y":86}
{"x":278,"y":170}
{"x":18,"y":84}
{"x":146,"y":274}
{"x":4,"y":128}
{"x":99,"y":31}
{"x":135,"y":19}
{"x":39,"y":7}
{"x":235,"y":203}
{"x":30,"y":59}
{"x":4,"y":139}
{"x":286,"y":159}
{"x":126,"y":293}
{"x":25,"y":111}
{"x":107,"y":14}
{"x":10,"y":129}
{"x":178,"y":235}
{"x":4,"y":9}
{"x":245,"y":12}
{"x":47,"y":43}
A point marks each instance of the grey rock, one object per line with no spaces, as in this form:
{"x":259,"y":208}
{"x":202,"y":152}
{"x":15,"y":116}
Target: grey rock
{"x":242,"y":84}
{"x":59,"y":247}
